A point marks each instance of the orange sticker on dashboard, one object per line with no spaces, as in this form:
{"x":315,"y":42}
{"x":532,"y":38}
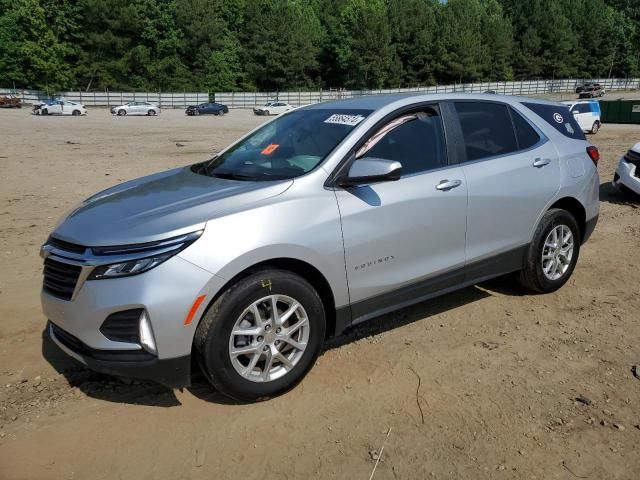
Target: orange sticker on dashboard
{"x":269,"y":149}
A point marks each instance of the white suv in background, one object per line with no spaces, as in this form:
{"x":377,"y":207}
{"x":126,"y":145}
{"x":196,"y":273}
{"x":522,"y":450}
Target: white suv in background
{"x":587,"y":114}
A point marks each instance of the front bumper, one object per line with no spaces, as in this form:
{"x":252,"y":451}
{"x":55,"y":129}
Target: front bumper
{"x":166,"y":293}
{"x":172,"y":372}
{"x":627,"y":175}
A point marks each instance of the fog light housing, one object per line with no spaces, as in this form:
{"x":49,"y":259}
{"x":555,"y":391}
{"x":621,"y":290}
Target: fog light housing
{"x":147,"y":339}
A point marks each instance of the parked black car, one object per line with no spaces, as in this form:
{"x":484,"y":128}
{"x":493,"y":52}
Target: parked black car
{"x":207,"y":109}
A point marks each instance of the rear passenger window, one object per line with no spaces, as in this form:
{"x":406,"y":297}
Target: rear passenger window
{"x":415,"y":140}
{"x":487,"y":129}
{"x":527,"y":137}
{"x":559,"y":117}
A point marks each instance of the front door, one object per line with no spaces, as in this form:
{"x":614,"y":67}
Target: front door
{"x":404,"y":240}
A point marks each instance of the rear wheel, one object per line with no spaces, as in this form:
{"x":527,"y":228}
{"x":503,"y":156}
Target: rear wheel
{"x":553,"y":253}
{"x":261,"y":336}
{"x":595,"y":127}
{"x":75,"y":113}
{"x":151,"y":112}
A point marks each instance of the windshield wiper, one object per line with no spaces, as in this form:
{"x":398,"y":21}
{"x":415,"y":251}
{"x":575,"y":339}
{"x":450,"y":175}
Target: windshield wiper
{"x":233,"y":176}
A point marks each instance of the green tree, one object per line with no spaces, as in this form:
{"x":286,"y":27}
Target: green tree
{"x":281,"y":40}
{"x":30,"y":55}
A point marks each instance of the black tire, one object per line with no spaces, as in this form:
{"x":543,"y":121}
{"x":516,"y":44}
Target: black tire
{"x":532,"y":275}
{"x":75,"y":113}
{"x":122,"y":112}
{"x":595,"y":127}
{"x":196,"y":112}
{"x":151,"y":112}
{"x":44,"y":111}
{"x":211,"y":341}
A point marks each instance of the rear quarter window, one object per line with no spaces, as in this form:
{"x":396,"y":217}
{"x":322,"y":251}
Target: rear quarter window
{"x":559,"y":117}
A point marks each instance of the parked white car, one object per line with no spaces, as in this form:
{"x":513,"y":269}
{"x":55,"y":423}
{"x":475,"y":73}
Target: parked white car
{"x":627,"y":176}
{"x":587,"y":114}
{"x":272,"y":108}
{"x":136,"y":108}
{"x":60,"y":107}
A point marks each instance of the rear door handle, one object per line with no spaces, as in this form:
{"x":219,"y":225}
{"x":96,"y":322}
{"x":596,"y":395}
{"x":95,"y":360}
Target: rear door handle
{"x":541,"y":162}
{"x":448,"y":184}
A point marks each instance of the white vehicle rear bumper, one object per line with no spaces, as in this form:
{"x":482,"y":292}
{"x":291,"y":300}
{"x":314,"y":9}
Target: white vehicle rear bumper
{"x":627,"y":174}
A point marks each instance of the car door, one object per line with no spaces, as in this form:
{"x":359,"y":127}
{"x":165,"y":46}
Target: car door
{"x":405,"y":239}
{"x":512,"y":172}
{"x":583,"y":115}
{"x":55,"y":108}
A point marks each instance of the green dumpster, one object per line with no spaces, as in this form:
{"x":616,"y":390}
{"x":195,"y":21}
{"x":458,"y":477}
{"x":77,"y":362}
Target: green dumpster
{"x":620,"y":111}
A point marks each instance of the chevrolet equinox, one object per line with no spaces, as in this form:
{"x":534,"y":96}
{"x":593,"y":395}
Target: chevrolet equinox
{"x":323,"y":218}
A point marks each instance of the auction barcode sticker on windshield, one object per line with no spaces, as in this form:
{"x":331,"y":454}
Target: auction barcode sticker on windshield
{"x":343,"y":119}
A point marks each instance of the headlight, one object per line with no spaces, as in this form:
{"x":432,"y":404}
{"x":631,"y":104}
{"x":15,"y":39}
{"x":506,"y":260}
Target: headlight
{"x":139,"y":258}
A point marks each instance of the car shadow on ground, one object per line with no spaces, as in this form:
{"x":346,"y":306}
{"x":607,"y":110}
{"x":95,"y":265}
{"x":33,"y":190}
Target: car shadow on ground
{"x":610,"y":194}
{"x":117,"y":390}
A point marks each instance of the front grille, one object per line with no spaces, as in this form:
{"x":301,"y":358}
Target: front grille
{"x":123,"y":326}
{"x":76,"y":345}
{"x":66,"y":246}
{"x":60,"y":278}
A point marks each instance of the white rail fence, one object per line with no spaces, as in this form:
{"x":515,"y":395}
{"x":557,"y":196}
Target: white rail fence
{"x":252,"y":99}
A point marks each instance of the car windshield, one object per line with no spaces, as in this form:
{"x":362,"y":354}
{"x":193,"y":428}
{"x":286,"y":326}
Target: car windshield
{"x":288,"y":147}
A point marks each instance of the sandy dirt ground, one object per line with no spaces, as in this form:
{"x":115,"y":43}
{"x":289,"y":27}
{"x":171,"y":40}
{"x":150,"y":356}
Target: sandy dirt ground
{"x":479,"y":384}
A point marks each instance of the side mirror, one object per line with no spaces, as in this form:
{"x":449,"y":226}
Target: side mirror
{"x":371,"y":170}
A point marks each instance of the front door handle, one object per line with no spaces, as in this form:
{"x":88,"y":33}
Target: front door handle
{"x":445,"y":185}
{"x":541,"y":162}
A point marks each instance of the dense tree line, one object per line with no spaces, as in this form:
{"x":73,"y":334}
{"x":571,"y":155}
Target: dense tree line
{"x":289,"y":44}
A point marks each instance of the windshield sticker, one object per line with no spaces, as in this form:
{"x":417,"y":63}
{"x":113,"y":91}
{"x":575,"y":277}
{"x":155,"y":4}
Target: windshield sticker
{"x":558,"y":118}
{"x":569,"y":128}
{"x":269,"y":149}
{"x":340,"y":119}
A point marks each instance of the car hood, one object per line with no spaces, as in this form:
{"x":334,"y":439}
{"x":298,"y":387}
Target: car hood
{"x":160,"y":206}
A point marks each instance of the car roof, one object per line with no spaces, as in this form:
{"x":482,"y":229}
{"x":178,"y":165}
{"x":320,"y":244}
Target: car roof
{"x":377,"y":102}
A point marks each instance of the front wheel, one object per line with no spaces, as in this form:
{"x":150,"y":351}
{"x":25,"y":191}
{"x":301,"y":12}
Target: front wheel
{"x":261,"y":336}
{"x":45,"y":111}
{"x":122,"y":112}
{"x":553,"y":253}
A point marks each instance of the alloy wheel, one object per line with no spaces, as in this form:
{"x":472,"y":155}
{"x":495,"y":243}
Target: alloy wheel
{"x":269,"y":338}
{"x":557,"y":252}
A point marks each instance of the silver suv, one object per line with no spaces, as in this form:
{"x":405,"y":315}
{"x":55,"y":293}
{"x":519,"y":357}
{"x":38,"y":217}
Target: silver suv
{"x":325,"y":217}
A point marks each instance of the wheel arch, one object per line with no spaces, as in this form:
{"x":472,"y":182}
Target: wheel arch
{"x":575,"y":208}
{"x":310,"y":273}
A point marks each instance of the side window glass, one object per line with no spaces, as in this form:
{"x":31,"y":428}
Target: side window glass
{"x":526,"y":135}
{"x":487,"y":129}
{"x":415,"y":140}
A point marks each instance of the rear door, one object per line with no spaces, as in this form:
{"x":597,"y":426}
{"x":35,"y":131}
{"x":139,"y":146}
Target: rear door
{"x":583,"y":115}
{"x":405,"y":239}
{"x":512,"y":172}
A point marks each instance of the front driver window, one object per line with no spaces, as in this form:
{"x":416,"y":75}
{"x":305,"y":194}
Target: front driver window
{"x":416,"y":140}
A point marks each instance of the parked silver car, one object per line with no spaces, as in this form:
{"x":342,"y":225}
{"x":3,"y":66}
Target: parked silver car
{"x":325,"y":217}
{"x":136,"y":108}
